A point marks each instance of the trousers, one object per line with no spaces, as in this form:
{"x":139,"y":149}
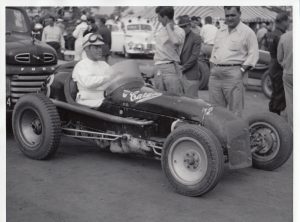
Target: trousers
{"x":190,"y":87}
{"x":226,"y":88}
{"x":277,"y":101}
{"x":288,"y":89}
{"x":168,"y":78}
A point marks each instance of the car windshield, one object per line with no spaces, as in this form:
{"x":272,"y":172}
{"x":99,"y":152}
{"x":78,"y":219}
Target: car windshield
{"x":128,"y":72}
{"x":15,"y":21}
{"x":133,"y":27}
{"x":143,"y":27}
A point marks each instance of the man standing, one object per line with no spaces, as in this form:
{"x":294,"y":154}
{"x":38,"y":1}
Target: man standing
{"x":277,"y":102}
{"x":208,"y":34}
{"x":234,"y":52}
{"x":261,"y":33}
{"x":78,"y":35}
{"x":285,"y":58}
{"x":53,"y":36}
{"x":106,"y":34}
{"x":189,"y":58}
{"x":169,"y":43}
{"x":195,"y":25}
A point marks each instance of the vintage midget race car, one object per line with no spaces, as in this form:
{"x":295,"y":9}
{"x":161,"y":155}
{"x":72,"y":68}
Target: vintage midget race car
{"x":193,"y":139}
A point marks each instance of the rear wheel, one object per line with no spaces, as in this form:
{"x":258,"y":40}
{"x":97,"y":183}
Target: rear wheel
{"x":204,"y":75}
{"x":192,"y":160}
{"x":271,"y":140}
{"x":36,"y":126}
{"x":126,"y":54}
{"x":266,"y":84}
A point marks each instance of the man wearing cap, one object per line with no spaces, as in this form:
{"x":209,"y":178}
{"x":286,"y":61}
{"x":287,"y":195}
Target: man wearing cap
{"x":169,"y":42}
{"x":78,"y":35}
{"x":189,"y":58}
{"x":234,"y":52}
{"x":277,"y":102}
{"x":53,"y":36}
{"x":106,"y":34}
{"x":196,"y":25}
{"x":92,"y":74}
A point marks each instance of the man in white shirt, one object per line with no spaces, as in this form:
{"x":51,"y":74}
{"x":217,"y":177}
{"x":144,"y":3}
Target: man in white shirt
{"x":208,"y":34}
{"x":235,"y":51}
{"x":92,"y":74}
{"x":262,"y":31}
{"x":53,"y":36}
{"x":169,"y":43}
{"x":78,"y":35}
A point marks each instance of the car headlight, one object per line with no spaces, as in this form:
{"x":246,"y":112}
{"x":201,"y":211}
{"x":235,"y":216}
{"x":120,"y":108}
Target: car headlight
{"x":130,"y":44}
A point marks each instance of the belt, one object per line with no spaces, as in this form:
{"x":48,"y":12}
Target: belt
{"x":226,"y":64}
{"x":166,"y":63}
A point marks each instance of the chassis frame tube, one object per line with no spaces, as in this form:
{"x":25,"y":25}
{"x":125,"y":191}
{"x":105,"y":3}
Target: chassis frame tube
{"x":100,"y":115}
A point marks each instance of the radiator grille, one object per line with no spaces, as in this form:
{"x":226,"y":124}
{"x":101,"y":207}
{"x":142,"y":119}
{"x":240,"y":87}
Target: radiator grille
{"x":23,"y":58}
{"x":24,"y":84}
{"x":48,"y":57}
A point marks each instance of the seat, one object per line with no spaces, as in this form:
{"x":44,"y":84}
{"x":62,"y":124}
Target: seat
{"x":70,"y":90}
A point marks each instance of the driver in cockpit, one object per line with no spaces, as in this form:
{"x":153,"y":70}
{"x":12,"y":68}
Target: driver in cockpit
{"x":92,"y":74}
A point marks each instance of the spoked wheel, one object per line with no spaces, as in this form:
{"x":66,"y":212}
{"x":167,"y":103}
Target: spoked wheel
{"x":192,"y":160}
{"x":204,"y":74}
{"x":271,"y":141}
{"x":31,"y":128}
{"x":36,"y":126}
{"x":266,"y":84}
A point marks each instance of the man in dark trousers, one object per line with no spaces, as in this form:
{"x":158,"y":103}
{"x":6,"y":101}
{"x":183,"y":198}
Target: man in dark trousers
{"x":106,"y":35}
{"x":189,"y":58}
{"x":277,"y":102}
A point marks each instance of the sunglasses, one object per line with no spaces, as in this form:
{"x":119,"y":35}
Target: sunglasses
{"x":93,"y":38}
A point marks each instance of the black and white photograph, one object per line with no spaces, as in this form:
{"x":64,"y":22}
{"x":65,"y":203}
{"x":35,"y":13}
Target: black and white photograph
{"x":149,"y":113}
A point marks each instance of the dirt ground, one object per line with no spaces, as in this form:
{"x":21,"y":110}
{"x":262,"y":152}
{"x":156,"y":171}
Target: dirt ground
{"x":83,"y":183}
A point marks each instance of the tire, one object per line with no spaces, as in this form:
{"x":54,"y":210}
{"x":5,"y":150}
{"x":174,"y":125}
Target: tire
{"x":200,"y":165}
{"x":271,"y":141}
{"x":266,"y":84}
{"x":126,"y":54}
{"x":36,"y":126}
{"x":204,"y":75}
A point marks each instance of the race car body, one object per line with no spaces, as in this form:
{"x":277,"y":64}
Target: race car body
{"x":192,"y":138}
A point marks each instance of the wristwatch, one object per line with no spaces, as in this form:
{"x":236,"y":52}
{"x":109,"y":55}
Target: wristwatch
{"x":243,"y":70}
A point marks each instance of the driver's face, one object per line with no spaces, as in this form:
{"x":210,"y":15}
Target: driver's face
{"x":94,"y":52}
{"x":232,"y":17}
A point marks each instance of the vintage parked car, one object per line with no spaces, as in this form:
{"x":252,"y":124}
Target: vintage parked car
{"x":132,"y":36}
{"x":28,"y":61}
{"x":193,"y":139}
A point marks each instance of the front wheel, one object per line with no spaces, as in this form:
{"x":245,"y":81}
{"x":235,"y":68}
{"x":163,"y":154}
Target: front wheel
{"x":271,"y":140}
{"x":36,"y":126}
{"x":192,"y":160}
